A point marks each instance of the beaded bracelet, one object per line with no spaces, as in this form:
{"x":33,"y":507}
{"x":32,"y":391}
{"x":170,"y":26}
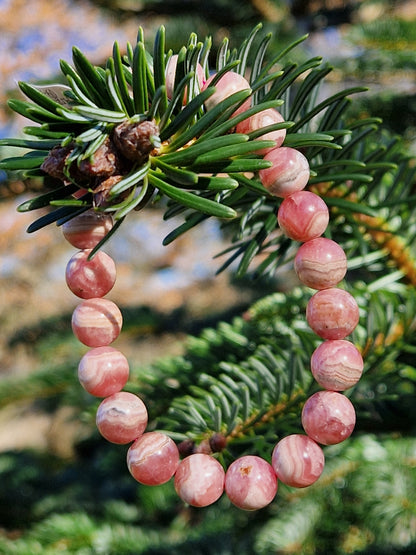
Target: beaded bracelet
{"x":328,"y":417}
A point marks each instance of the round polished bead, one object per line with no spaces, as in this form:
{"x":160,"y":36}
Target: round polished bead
{"x":97,"y":322}
{"x":328,"y":417}
{"x":320,"y":263}
{"x":261,"y":120}
{"x":289,"y":171}
{"x":250,"y":483}
{"x":122,"y":417}
{"x":103,"y":371}
{"x":90,"y":278}
{"x":332,"y":313}
{"x":298,"y":460}
{"x":86,"y":230}
{"x":337,"y":365}
{"x":230,"y":83}
{"x":153,"y":459}
{"x":303,"y":216}
{"x":199,"y":480}
{"x":170,"y":74}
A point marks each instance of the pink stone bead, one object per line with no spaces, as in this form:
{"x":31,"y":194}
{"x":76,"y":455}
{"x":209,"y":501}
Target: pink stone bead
{"x":298,"y":461}
{"x":199,"y":480}
{"x":320,"y":263}
{"x":97,"y":322}
{"x":250,"y":483}
{"x":90,"y":278}
{"x":288,"y":174}
{"x":153,"y":459}
{"x":121,"y":417}
{"x":260,"y":120}
{"x":337,"y":365}
{"x":332,"y":313}
{"x":328,"y":417}
{"x":303,"y":216}
{"x":103,"y":371}
{"x":229,"y":84}
{"x":87,"y":229}
{"x":170,"y":74}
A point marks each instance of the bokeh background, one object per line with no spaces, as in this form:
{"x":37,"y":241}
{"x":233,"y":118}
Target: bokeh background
{"x":61,"y":489}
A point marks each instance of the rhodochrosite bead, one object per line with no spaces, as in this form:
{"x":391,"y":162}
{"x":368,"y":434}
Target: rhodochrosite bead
{"x":328,"y":417}
{"x":121,"y":417}
{"x":90,"y":278}
{"x":153,"y":459}
{"x":86,"y":230}
{"x":298,"y":460}
{"x":250,"y":483}
{"x":337,"y":364}
{"x":97,"y":322}
{"x":228,"y":84}
{"x":303,"y":216}
{"x":289,"y":171}
{"x":199,"y":480}
{"x":103,"y":371}
{"x":260,"y":120}
{"x":170,"y":73}
{"x":332,"y":313}
{"x":320,"y":263}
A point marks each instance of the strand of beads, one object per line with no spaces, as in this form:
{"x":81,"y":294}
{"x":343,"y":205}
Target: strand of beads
{"x":153,"y":458}
{"x":103,"y":371}
{"x":328,"y":416}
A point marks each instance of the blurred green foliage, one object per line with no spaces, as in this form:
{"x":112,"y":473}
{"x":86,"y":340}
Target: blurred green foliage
{"x":364,"y":502}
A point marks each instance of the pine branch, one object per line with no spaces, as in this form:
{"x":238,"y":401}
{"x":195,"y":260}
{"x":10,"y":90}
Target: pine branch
{"x":244,"y":381}
{"x":358,"y":169}
{"x":85,"y":508}
{"x":383,"y":509}
{"x":248,"y":378}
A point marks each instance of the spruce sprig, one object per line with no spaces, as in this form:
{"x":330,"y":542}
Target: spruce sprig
{"x":132,"y":89}
{"x":247,"y":380}
{"x":195,"y":162}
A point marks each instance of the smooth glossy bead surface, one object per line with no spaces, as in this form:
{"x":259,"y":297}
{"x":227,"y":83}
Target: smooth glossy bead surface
{"x":303,"y":216}
{"x":97,"y":322}
{"x":121,"y":417}
{"x":229,"y":84}
{"x":86,"y":230}
{"x":90,"y":278}
{"x":328,"y":417}
{"x":170,"y":73}
{"x":332,"y":313}
{"x":260,"y":120}
{"x":289,"y":171}
{"x":320,"y":263}
{"x":153,"y":459}
{"x":298,"y":460}
{"x":103,"y":371}
{"x":250,"y":483}
{"x":199,"y":480}
{"x":337,"y":365}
